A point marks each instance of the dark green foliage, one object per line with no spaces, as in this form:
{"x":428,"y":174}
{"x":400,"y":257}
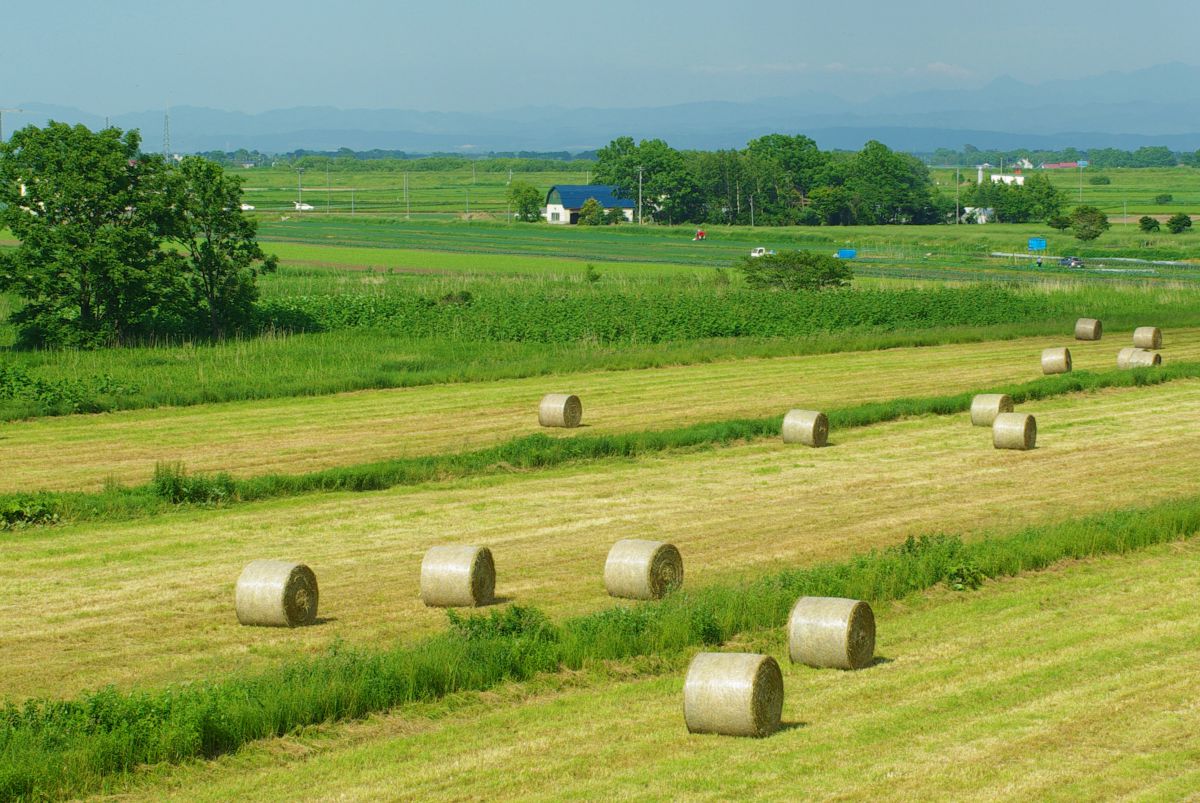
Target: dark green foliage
{"x":1088,"y":223}
{"x":23,"y":510}
{"x":796,"y":270}
{"x":1059,"y":222}
{"x":55,"y":748}
{"x":1179,"y":223}
{"x":172,"y":485}
{"x":1148,"y":224}
{"x":61,"y":396}
{"x":1036,"y":200}
{"x":591,"y":213}
{"x":525,"y":201}
{"x":1100,"y":181}
{"x":1164,"y":198}
{"x":614,"y":216}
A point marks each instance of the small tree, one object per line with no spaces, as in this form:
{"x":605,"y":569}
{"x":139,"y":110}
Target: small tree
{"x":1177,"y":224}
{"x":591,"y":213}
{"x":1060,"y":222}
{"x":1088,"y":223}
{"x":1165,"y":198}
{"x":1148,"y":224}
{"x":526,"y":201}
{"x":614,"y":216}
{"x":796,"y":270}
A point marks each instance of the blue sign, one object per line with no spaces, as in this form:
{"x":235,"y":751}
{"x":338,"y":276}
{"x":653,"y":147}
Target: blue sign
{"x":846,"y":253}
{"x":1037,"y":243}
{"x":1082,"y":163}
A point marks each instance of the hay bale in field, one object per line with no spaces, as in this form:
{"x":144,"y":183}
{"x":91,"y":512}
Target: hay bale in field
{"x":458,"y":576}
{"x":1014,"y":431}
{"x":638,"y":569}
{"x":276,"y":593}
{"x":1088,"y":329}
{"x":1056,"y":361}
{"x":831,"y":633}
{"x":986,"y":406}
{"x":1147,"y":337}
{"x":1131,"y":357}
{"x":733,"y":693}
{"x":560,"y":410}
{"x":809,"y":427}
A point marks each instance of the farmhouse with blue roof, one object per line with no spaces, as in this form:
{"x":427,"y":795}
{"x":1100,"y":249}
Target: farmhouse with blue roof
{"x":564,"y":201}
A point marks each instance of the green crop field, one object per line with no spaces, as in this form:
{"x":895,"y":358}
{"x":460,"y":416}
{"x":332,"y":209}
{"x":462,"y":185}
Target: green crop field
{"x":1035,"y":638}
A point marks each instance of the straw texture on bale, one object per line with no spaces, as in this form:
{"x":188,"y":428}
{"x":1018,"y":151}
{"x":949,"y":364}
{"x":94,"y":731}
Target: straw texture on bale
{"x":1056,"y":361}
{"x":806,"y":426}
{"x":1088,"y":329}
{"x":831,"y":633}
{"x":1147,"y":337}
{"x":276,"y":593}
{"x":986,"y":406}
{"x":733,"y":693}
{"x":1131,"y":357}
{"x":560,"y":410}
{"x":1014,"y":431}
{"x":638,"y":569}
{"x":458,"y":576}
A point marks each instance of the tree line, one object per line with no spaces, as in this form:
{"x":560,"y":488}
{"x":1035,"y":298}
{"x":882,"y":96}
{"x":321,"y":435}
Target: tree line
{"x":1149,"y":156}
{"x":116,"y":245}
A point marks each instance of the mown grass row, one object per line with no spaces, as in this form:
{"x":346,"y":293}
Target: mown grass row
{"x":66,"y":748}
{"x":172,"y":485}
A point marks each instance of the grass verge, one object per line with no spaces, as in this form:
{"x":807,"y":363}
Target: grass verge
{"x":62,"y":748}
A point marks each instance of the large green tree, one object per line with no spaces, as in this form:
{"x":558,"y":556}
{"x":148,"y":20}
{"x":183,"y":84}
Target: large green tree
{"x":1088,"y":223}
{"x":84,"y":207}
{"x":223,"y":258}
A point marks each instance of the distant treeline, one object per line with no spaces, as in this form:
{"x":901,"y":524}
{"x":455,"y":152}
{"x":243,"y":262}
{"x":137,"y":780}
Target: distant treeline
{"x":402,"y":161}
{"x":1158,"y":156}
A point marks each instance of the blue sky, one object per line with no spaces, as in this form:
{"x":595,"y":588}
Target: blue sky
{"x":254,"y":55}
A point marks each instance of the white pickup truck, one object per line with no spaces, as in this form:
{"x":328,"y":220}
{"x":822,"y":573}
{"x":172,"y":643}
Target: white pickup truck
{"x":761,"y":252}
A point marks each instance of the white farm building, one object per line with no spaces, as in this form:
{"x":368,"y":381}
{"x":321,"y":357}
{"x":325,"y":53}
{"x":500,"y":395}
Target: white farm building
{"x":564,"y":201}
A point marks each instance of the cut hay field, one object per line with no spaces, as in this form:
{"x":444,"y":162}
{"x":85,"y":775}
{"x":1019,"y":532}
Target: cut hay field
{"x":302,"y":434}
{"x":1075,"y":683}
{"x":150,"y":601}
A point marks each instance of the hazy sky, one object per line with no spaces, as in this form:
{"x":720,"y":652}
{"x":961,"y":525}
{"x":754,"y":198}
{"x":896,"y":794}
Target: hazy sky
{"x":254,"y":55}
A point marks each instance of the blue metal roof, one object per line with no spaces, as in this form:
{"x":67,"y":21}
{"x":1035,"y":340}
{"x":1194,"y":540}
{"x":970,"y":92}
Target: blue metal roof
{"x":573,"y":195}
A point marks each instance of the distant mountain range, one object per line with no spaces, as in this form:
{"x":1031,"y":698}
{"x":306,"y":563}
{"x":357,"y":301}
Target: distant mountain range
{"x":1154,"y":106}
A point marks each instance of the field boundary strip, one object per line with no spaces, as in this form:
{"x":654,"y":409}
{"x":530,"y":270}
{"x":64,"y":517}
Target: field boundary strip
{"x":56,"y":748}
{"x":173,"y":486}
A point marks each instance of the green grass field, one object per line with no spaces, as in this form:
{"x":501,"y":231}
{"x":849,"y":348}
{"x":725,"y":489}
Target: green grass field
{"x":1069,"y":683}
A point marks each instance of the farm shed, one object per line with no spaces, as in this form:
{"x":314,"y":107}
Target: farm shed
{"x":564,"y":201}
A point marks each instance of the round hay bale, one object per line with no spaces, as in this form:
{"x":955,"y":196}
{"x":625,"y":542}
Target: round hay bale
{"x":733,"y":693}
{"x":1014,"y":431}
{"x":1147,"y":337}
{"x":638,"y":569}
{"x":1130,"y":357}
{"x":1056,"y":361}
{"x":458,"y":576}
{"x":276,"y":593}
{"x":831,"y":633}
{"x":806,"y":426}
{"x":1088,"y":329}
{"x":560,"y":410}
{"x":986,"y":406}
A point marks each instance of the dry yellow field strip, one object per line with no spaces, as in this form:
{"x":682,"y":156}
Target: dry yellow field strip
{"x":301,"y":434}
{"x":1071,"y":684}
{"x":151,"y":600}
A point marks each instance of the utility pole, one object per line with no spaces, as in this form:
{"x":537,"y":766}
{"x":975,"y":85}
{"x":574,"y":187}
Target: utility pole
{"x":639,"y":195}
{"x":351,"y":202}
{"x":1081,"y":184}
{"x":2,"y":113}
{"x":957,"y":214}
{"x":752,"y":211}
{"x":166,"y":135}
{"x":299,"y":188}
{"x":327,"y":198}
{"x":468,"y":204}
{"x":407,"y":208}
